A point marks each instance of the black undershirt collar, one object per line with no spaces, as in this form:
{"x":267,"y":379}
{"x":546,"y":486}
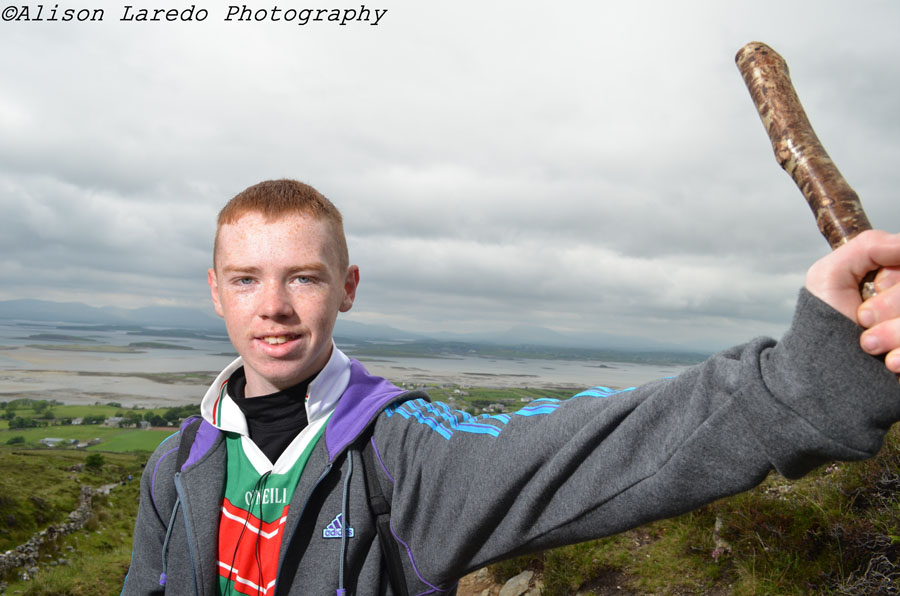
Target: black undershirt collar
{"x":272,"y":420}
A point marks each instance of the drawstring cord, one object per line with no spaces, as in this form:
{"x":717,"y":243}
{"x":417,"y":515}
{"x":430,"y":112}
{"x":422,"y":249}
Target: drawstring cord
{"x":165,"y":547}
{"x":346,"y":524}
{"x":259,"y":580}
{"x":262,"y":478}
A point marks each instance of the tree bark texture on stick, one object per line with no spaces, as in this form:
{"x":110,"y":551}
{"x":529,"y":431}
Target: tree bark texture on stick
{"x":838,"y":210}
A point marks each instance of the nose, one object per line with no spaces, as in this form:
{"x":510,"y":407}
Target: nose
{"x":275,"y":303}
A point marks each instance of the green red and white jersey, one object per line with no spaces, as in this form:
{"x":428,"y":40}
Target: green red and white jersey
{"x":257,"y":491}
{"x":254,"y":509}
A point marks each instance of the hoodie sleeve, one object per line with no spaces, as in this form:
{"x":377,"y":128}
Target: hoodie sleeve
{"x":468,"y":491}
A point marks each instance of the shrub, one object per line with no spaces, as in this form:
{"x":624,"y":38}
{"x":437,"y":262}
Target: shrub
{"x":19,"y":422}
{"x":94,"y":461}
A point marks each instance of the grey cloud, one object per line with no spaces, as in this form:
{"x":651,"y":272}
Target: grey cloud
{"x":584,"y":166}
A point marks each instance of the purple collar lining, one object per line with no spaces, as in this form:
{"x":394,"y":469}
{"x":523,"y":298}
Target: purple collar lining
{"x":203,"y":441}
{"x":365,"y":397}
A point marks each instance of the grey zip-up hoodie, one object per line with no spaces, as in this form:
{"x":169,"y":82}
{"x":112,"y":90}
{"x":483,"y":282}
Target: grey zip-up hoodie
{"x":466,"y":491}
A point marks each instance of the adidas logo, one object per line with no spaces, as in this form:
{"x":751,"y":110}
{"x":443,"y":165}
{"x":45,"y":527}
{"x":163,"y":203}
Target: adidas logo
{"x":336,"y":528}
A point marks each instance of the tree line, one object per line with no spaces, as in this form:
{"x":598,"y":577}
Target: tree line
{"x":43,"y":414}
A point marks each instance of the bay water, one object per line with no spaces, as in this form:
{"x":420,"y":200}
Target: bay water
{"x":57,"y":361}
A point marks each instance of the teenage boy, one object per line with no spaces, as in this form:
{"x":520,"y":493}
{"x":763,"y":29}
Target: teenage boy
{"x":268,"y":495}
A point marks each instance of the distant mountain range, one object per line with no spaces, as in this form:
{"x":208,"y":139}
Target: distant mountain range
{"x":76,"y":312}
{"x":206,"y":320}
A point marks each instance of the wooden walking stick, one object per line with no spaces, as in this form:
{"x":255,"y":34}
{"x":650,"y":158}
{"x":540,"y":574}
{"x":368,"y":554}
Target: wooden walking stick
{"x":837,"y":208}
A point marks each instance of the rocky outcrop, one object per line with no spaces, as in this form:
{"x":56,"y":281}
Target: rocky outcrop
{"x":481,"y":583}
{"x":520,"y":585}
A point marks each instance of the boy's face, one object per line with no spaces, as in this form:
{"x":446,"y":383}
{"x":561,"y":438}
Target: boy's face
{"x":279,"y":286}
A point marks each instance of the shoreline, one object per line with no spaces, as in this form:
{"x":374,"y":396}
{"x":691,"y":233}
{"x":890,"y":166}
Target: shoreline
{"x":75,"y":388}
{"x":166,"y":380}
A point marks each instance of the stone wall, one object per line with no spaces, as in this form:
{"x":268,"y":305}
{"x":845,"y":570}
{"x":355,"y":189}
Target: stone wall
{"x":26,"y":556}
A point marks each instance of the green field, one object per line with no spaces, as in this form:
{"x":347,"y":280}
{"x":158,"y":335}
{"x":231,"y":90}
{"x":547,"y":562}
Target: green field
{"x":113,"y":439}
{"x":78,"y":411}
{"x":477,"y":400}
{"x":122,"y":440}
{"x":60,"y":412}
{"x":131,"y":440}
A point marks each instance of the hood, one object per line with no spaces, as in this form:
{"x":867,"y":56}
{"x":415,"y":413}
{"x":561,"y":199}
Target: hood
{"x":365,"y":397}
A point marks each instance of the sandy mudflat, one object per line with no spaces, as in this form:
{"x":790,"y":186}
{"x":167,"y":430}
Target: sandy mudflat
{"x":161,"y":378}
{"x":86,"y":378}
{"x":475,"y":371}
{"x":420,"y":376}
{"x":70,"y":387}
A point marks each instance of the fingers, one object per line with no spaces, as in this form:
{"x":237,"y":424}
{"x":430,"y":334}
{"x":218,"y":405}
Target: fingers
{"x":885,"y":305}
{"x":892,"y":361}
{"x":872,"y":342}
{"x":881,"y":316}
{"x":871,"y":250}
{"x":887,"y":278}
{"x":835,"y":278}
{"x":884,"y":247}
{"x":884,"y":338}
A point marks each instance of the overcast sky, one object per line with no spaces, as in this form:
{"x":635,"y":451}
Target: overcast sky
{"x":582,"y":165}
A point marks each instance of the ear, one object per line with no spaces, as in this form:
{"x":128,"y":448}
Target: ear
{"x":351,"y":281}
{"x":214,"y":291}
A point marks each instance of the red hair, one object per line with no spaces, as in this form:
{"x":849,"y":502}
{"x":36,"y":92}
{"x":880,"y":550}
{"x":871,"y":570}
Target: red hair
{"x":274,"y":199}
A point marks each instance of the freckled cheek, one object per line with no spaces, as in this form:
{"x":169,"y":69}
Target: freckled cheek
{"x":239,"y":297}
{"x":314,"y":312}
{"x":244,"y":300}
{"x":238,"y":305}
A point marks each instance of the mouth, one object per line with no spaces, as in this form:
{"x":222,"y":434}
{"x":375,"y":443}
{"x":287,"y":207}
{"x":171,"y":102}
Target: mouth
{"x":274,"y":340}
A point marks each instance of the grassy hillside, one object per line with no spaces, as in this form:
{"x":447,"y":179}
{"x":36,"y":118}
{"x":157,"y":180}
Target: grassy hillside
{"x":837,"y":531}
{"x":95,"y":559}
{"x":41,"y":487}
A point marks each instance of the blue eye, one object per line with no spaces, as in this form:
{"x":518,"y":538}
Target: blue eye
{"x":245,"y":281}
{"x":303,"y":279}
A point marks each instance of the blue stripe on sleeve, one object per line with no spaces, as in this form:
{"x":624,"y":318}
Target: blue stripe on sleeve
{"x":445,"y":421}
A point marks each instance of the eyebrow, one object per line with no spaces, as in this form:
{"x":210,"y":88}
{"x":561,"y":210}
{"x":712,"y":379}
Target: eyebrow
{"x":231,"y":269}
{"x":239,"y":269}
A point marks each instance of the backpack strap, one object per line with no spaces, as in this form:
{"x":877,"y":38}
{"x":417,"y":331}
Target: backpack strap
{"x":381,"y":510}
{"x":189,"y":430}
